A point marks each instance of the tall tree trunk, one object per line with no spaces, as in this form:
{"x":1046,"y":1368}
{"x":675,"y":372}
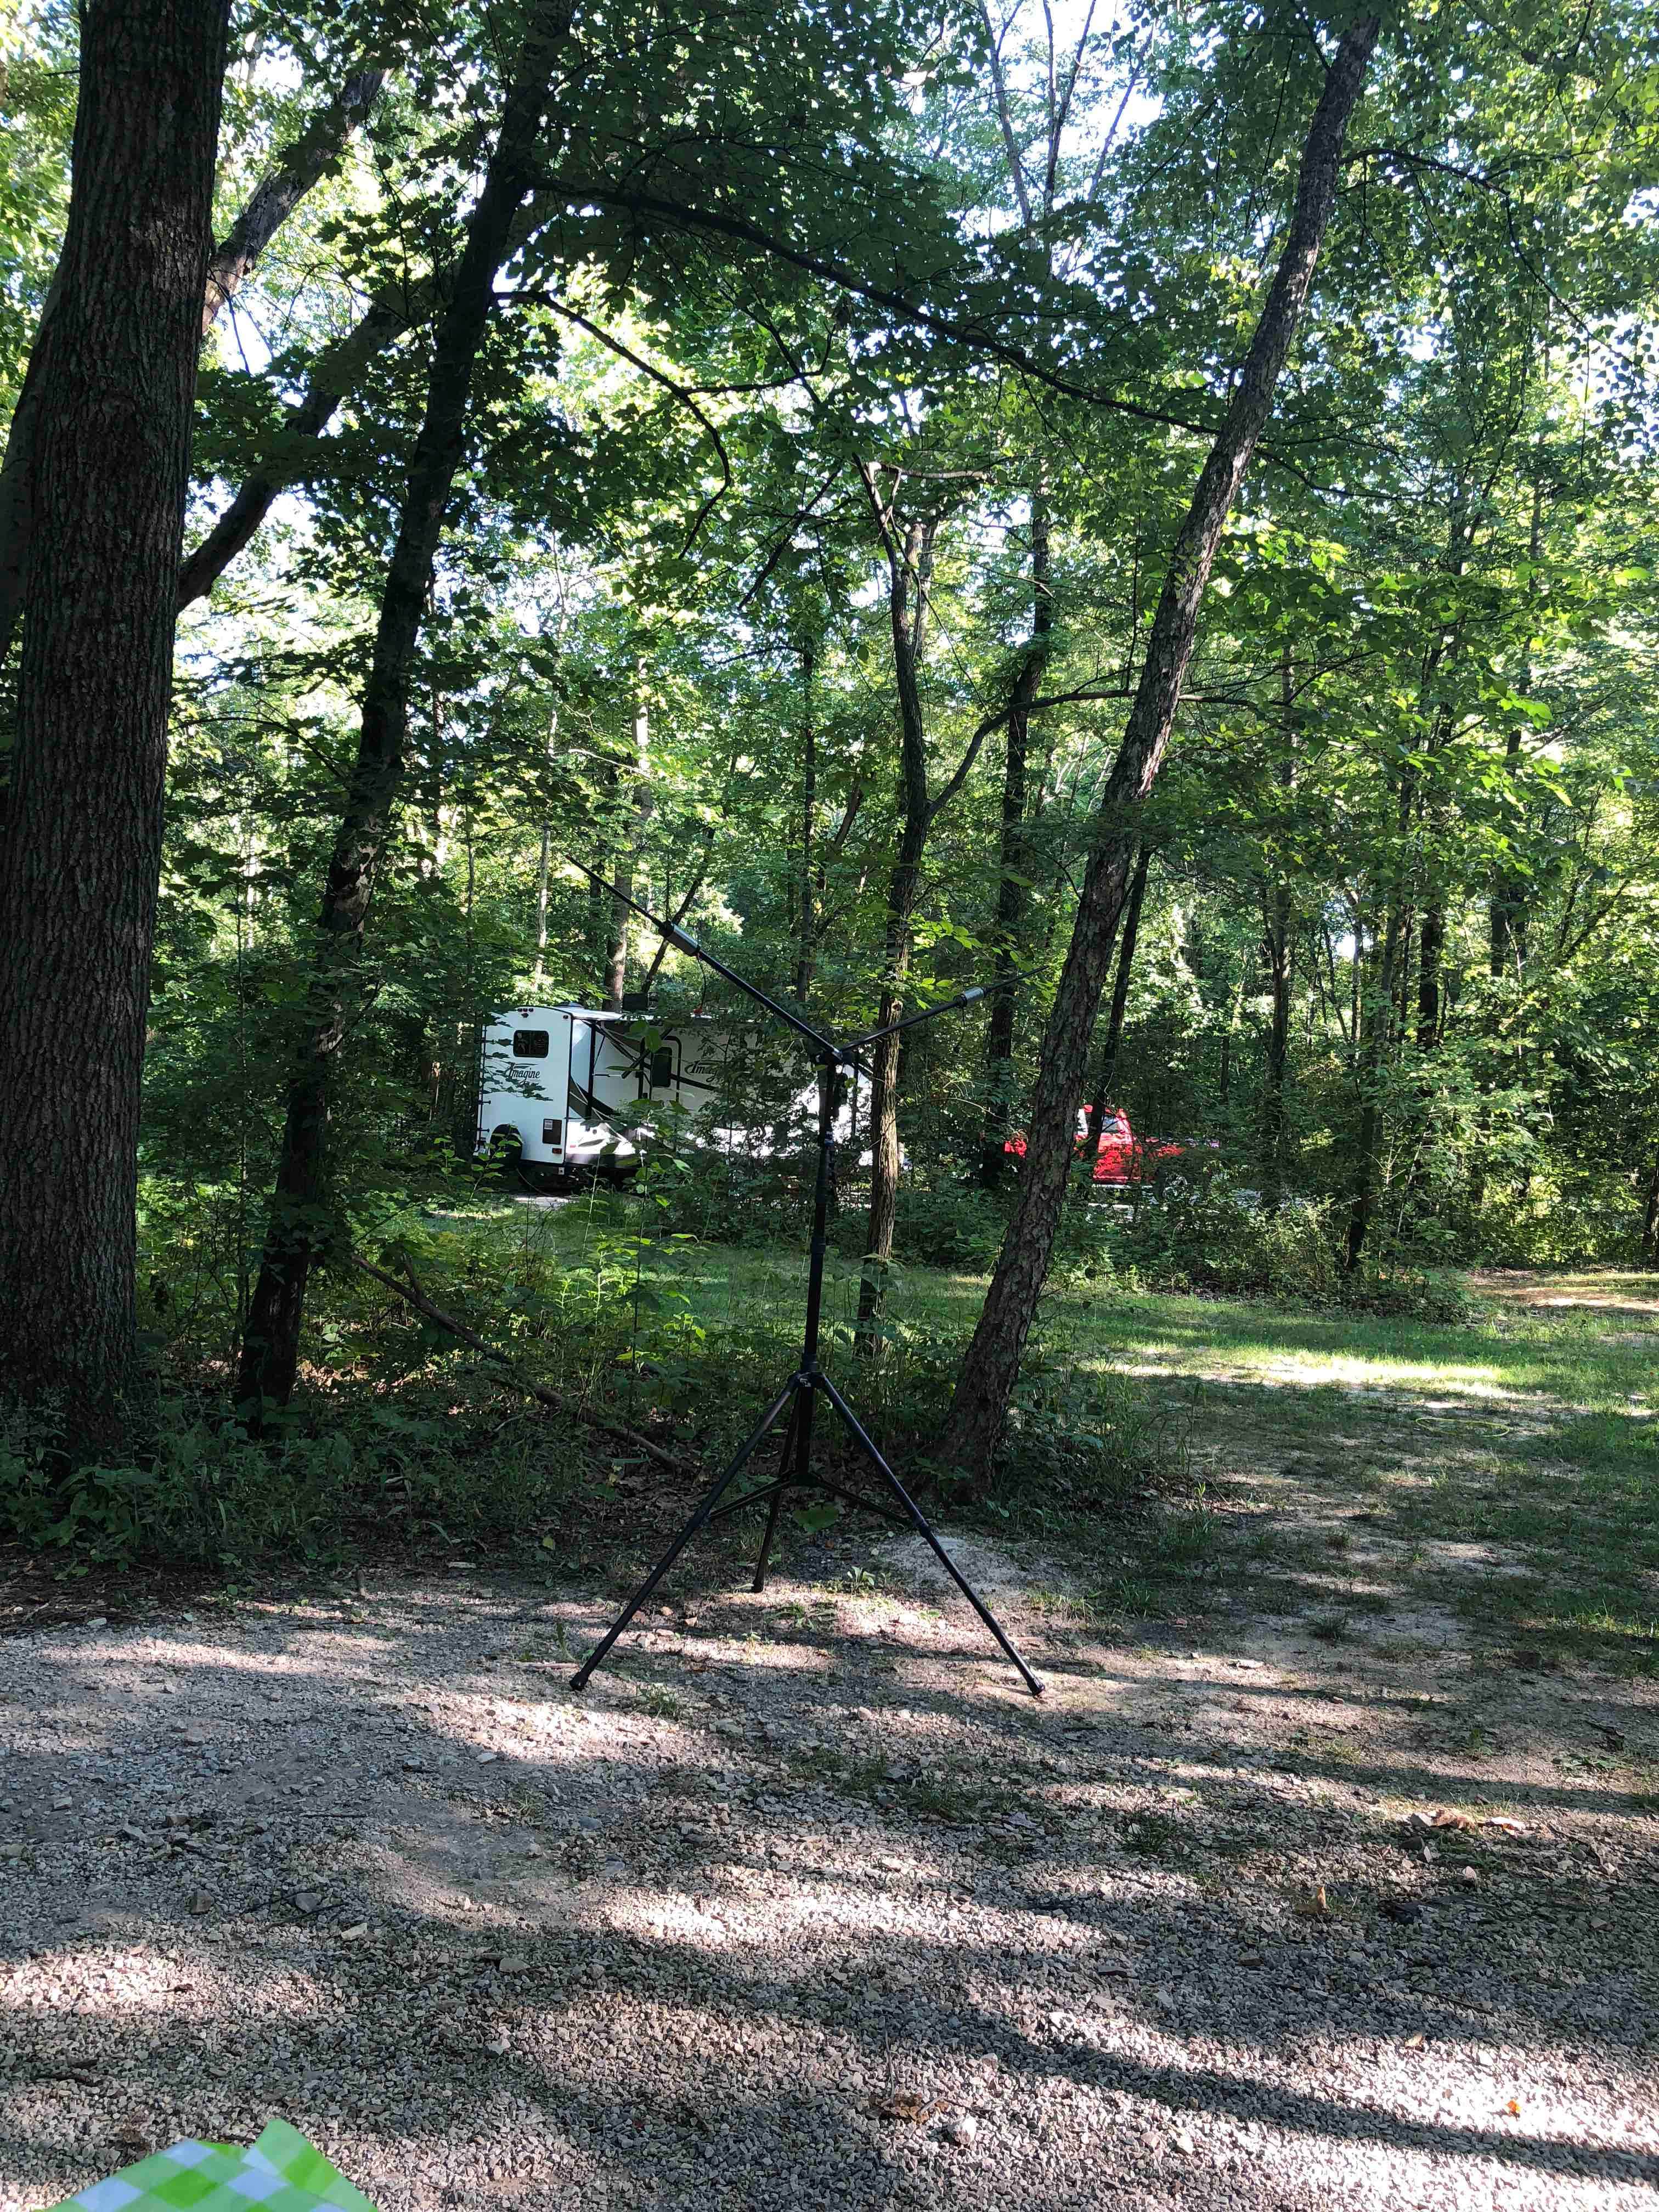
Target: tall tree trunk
{"x":807,"y":941}
{"x":430,"y":862}
{"x":1012,"y":898}
{"x":273,"y":200}
{"x":909,"y":571}
{"x":82,"y":860}
{"x":1279,"y":944}
{"x":885,"y":1150}
{"x":1431,"y":958}
{"x":1650,"y":1217}
{"x":1376,"y":1014}
{"x":1101,"y":1088}
{"x":1508,"y":912}
{"x":1508,"y":955}
{"x":1403,"y":968}
{"x":297,"y":1229}
{"x":1385,"y":1019}
{"x":622,"y":914}
{"x":992,"y":1364}
{"x":544,"y":859}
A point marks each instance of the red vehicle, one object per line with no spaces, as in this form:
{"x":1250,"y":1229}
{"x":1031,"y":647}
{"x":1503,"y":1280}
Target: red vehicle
{"x":1120,"y":1157}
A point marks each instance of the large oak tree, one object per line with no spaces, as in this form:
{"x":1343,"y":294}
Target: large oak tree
{"x":81,"y":856}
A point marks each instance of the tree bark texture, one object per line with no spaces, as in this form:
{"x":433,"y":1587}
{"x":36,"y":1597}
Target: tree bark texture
{"x":992,"y":1366}
{"x":297,"y":1227}
{"x":806,"y":939}
{"x":1012,"y":897}
{"x":269,"y":206}
{"x":1377,"y":1016}
{"x":909,"y":573}
{"x":81,"y":860}
{"x":1106,"y":1069}
{"x":17,"y":477}
{"x":622,"y":914}
{"x":1279,"y":943}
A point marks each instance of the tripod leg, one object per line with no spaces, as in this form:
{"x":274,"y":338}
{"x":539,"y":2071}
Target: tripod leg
{"x":757,"y":1437}
{"x":865,"y":1504}
{"x":759,"y":1582}
{"x":785,"y":1467}
{"x":919,"y":1521}
{"x":746,"y":1503}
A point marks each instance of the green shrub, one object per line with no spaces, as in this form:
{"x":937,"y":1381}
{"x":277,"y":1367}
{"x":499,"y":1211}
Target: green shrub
{"x":1214,"y":1235}
{"x":950,"y":1226}
{"x":1096,"y":1437}
{"x":200,"y":1493}
{"x":1545,"y":1224}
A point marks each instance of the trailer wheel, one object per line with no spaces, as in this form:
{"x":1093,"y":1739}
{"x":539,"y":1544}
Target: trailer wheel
{"x":508,"y":1160}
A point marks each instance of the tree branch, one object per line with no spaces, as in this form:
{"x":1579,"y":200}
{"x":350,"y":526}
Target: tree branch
{"x":337,"y":369}
{"x":719,"y":223}
{"x":413,"y":1295}
{"x":1000,"y":89}
{"x":680,"y":391}
{"x":272,"y":201}
{"x":277,"y":195}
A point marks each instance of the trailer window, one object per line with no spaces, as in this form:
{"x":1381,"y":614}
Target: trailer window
{"x":531,"y":1044}
{"x":662,"y":1068}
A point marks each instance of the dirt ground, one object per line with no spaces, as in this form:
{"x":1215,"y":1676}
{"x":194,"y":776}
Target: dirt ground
{"x":808,"y":1904}
{"x":1594,"y":1291}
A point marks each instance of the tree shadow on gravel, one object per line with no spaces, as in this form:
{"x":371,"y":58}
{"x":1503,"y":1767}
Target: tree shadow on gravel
{"x":671,"y":1946}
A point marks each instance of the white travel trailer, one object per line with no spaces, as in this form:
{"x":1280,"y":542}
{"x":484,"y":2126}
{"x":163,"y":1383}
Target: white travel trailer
{"x":576,"y":1091}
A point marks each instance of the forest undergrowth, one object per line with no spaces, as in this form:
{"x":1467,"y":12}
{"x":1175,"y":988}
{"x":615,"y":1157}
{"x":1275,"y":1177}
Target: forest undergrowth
{"x":405,"y":1443}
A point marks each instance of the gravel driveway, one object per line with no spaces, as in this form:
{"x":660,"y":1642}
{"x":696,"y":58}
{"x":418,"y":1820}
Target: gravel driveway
{"x":811,"y":1906}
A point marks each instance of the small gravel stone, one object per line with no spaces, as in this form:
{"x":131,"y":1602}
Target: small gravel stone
{"x":774,"y":1935}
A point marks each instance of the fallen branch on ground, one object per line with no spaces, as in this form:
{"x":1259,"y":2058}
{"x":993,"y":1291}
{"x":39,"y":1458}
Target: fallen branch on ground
{"x":413,"y":1295}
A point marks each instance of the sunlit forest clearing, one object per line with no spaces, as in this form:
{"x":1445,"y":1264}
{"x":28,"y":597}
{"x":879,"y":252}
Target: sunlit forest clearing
{"x":1324,"y":1857}
{"x":829,"y":1143}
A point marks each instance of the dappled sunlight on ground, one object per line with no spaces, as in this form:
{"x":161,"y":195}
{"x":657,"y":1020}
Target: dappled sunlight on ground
{"x":811,"y":1871}
{"x":1323,"y":1874}
{"x":1599,"y":1291}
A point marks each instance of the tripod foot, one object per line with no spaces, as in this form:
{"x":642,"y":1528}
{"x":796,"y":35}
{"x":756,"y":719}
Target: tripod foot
{"x":786,"y":1469}
{"x":758,"y":1436}
{"x":919,"y":1522}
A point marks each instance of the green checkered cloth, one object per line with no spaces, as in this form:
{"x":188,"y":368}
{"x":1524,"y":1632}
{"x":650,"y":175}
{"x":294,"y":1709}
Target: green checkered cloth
{"x":282,"y":2173}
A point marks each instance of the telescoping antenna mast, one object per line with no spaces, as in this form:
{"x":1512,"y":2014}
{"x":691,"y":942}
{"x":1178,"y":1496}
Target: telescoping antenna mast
{"x":797,"y":1401}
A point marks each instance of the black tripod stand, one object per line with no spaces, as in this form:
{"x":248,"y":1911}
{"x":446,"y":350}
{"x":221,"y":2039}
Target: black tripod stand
{"x":800,"y":1393}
